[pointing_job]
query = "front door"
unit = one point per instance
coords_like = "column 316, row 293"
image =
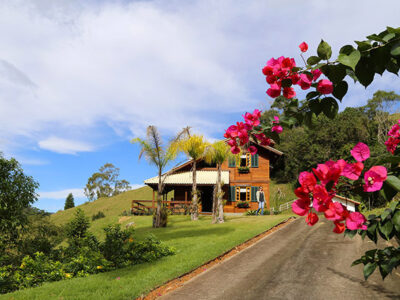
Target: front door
column 206, row 198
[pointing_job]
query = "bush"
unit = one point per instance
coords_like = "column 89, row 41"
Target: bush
column 148, row 250
column 243, row 204
column 99, row 215
column 114, row 247
column 253, row 212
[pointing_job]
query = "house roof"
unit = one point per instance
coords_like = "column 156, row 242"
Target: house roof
column 347, row 199
column 202, row 177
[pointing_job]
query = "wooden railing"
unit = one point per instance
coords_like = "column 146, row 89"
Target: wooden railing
column 286, row 206
column 139, row 206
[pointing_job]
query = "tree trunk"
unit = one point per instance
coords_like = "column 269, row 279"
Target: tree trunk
column 157, row 219
column 195, row 212
column 215, row 204
column 219, row 195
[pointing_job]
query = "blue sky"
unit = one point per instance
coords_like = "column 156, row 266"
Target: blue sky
column 79, row 81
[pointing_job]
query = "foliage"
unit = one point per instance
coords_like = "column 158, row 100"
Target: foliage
column 254, row 212
column 243, row 169
column 99, row 215
column 17, row 192
column 113, row 247
column 69, row 202
column 243, row 204
column 155, row 153
column 105, row 183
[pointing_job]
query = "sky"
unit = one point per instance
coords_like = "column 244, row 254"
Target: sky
column 80, row 79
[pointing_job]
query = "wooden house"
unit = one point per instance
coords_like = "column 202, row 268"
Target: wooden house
column 241, row 180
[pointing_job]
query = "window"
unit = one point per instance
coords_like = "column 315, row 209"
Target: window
column 244, row 160
column 243, row 193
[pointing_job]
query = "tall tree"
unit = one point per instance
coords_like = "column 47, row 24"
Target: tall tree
column 218, row 153
column 194, row 147
column 69, row 201
column 105, row 183
column 17, row 193
column 155, row 153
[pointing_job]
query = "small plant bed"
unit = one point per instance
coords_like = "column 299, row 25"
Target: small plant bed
column 243, row 204
column 243, row 170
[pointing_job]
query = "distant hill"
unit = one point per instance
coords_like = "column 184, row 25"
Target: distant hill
column 112, row 207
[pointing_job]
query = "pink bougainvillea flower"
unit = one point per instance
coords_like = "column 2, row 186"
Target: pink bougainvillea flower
column 316, row 73
column 301, row 206
column 231, row 132
column 277, row 128
column 263, row 139
column 353, row 171
column 374, row 178
column 295, row 77
column 301, row 192
column 303, row 47
column 305, row 81
column 339, row 227
column 336, row 212
column 232, row 143
column 360, row 152
column 325, row 86
column 330, row 171
column 235, row 149
column 307, row 181
column 274, row 91
column 311, row 219
column 288, row 92
column 276, row 120
column 391, row 144
column 252, row 119
column 271, row 79
column 321, row 198
column 252, row 150
column 355, row 221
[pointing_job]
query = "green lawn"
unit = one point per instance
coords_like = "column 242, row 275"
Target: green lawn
column 195, row 243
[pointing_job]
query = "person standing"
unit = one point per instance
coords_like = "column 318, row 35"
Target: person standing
column 261, row 200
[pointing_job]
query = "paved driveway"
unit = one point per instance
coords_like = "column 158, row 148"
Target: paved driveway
column 296, row 262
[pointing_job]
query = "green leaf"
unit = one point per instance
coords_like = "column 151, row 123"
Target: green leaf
column 396, row 218
column 393, row 205
column 363, row 45
column 375, row 37
column 312, row 94
column 395, row 51
column 384, row 159
column 330, row 107
column 335, row 73
column 393, row 30
column 386, row 213
column 394, row 182
column 392, row 66
column 357, row 262
column 371, row 217
column 351, row 59
column 312, row 60
column 389, row 36
column 286, row 82
column 315, row 106
column 324, row 50
column 340, row 89
column 365, row 71
column 386, row 229
column 369, row 268
column 371, row 232
column 387, row 192
column 380, row 58
column 385, row 270
column 350, row 233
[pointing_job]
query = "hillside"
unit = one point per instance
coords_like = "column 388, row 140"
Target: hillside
column 111, row 207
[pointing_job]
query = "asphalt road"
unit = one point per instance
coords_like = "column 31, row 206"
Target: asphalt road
column 295, row 262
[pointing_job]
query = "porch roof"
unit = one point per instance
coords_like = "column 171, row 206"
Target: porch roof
column 202, row 177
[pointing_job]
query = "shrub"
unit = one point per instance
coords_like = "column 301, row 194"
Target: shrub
column 99, row 215
column 253, row 212
column 114, row 247
column 148, row 250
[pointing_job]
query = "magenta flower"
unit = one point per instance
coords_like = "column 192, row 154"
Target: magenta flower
column 311, row 219
column 303, row 47
column 336, row 212
column 316, row 73
column 325, row 86
column 301, row 206
column 307, row 181
column 252, row 150
column 360, row 152
column 321, row 198
column 274, row 91
column 374, row 178
column 356, row 221
column 235, row 149
column 288, row 92
column 353, row 171
column 305, row 81
column 277, row 128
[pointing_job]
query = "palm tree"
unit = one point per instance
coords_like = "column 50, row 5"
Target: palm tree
column 154, row 152
column 194, row 147
column 218, row 153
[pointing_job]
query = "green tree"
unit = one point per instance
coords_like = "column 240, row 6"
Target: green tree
column 194, row 146
column 69, row 201
column 155, row 153
column 218, row 153
column 17, row 193
column 105, row 183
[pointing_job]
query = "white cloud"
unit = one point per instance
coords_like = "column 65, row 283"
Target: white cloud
column 67, row 68
column 64, row 146
column 62, row 194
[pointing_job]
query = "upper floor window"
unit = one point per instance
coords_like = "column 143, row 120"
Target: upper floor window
column 245, row 160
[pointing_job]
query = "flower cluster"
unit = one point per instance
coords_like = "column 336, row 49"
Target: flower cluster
column 320, row 195
column 394, row 138
column 239, row 134
column 281, row 74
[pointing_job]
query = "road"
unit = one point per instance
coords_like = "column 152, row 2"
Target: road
column 295, row 262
